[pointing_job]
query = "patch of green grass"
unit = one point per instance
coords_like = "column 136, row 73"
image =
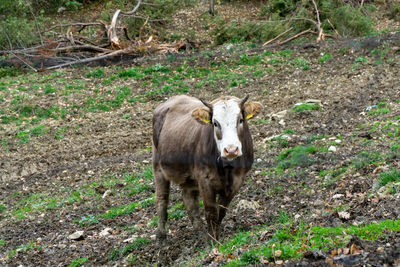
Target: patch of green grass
column 177, row 211
column 293, row 242
column 325, row 57
column 78, row 262
column 96, row 73
column 306, row 106
column 87, row 220
column 380, row 109
column 236, row 242
column 120, row 210
column 114, row 254
column 392, row 175
column 302, row 63
column 2, row 243
column 362, row 60
column 298, row 156
column 2, row 208
column 367, row 158
column 131, row 73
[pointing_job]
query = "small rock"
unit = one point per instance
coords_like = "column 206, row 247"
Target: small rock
column 245, row 204
column 380, row 249
column 297, row 216
column 78, row 235
column 318, row 202
column 106, row 194
column 336, row 196
column 153, row 237
column 145, row 161
column 282, row 122
column 279, row 115
column 332, row 149
column 105, row 232
column 279, row 262
column 337, row 141
column 62, row 246
column 344, row 215
column 61, row 9
column 131, row 239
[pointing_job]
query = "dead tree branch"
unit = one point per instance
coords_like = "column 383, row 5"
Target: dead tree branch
column 295, row 36
column 279, row 35
column 24, row 61
column 91, row 59
column 321, row 36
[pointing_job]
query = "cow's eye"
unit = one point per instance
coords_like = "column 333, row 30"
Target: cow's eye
column 215, row 124
column 241, row 121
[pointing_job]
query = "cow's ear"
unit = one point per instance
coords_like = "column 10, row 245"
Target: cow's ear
column 201, row 115
column 252, row 109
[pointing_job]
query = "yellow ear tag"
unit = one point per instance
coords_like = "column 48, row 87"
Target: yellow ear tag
column 205, row 120
column 249, row 116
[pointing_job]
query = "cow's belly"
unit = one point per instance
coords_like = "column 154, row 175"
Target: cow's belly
column 176, row 172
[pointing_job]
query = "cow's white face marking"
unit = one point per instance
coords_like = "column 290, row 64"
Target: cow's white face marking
column 227, row 119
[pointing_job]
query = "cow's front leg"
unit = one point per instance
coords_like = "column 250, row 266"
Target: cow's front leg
column 211, row 213
column 223, row 203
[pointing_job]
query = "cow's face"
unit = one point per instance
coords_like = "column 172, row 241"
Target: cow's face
column 227, row 116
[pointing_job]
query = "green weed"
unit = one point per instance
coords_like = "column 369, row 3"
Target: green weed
column 96, row 73
column 298, row 156
column 325, row 57
column 306, row 106
column 87, row 220
column 78, row 262
column 302, row 63
column 177, row 211
column 392, row 175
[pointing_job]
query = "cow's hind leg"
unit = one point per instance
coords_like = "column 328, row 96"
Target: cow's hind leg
column 162, row 198
column 191, row 201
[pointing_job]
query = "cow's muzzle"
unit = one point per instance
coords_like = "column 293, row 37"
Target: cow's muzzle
column 231, row 152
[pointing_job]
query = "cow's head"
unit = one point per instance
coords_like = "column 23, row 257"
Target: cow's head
column 227, row 116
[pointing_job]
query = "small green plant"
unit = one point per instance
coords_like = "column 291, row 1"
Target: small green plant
column 380, row 109
column 297, row 156
column 177, row 211
column 2, row 243
column 87, row 220
column 325, row 57
column 2, row 208
column 96, row 73
column 78, row 262
column 306, row 106
column 392, row 175
column 361, row 60
column 302, row 63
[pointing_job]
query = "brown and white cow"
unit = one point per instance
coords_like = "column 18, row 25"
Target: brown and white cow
column 207, row 150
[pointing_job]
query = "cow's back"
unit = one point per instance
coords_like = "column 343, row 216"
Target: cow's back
column 177, row 137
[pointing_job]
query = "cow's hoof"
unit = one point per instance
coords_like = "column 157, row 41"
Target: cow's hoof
column 161, row 237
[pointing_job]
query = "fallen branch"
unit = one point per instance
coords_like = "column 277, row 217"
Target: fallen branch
column 81, row 47
column 270, row 41
column 295, row 36
column 91, row 59
column 24, row 61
